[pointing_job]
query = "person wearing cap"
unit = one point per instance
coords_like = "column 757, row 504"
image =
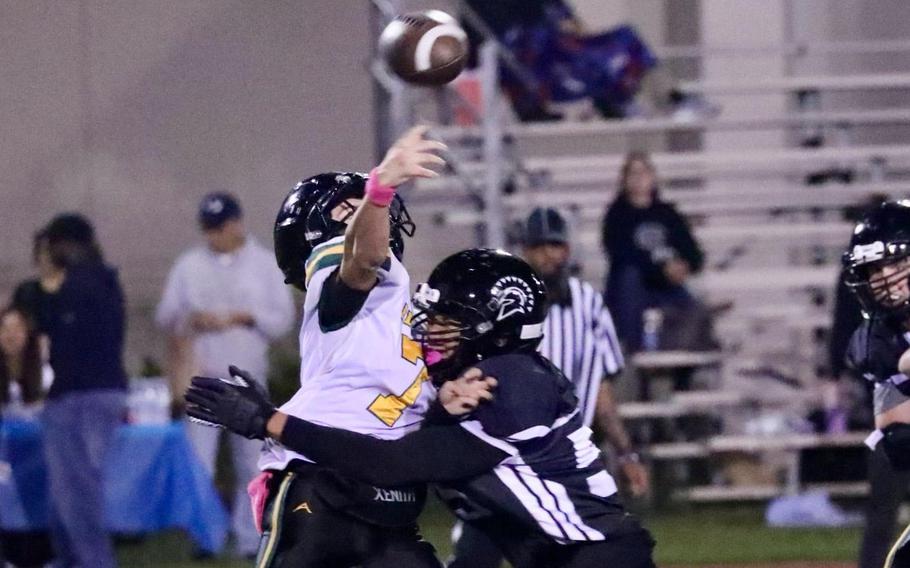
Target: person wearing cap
column 81, row 312
column 224, row 300
column 580, row 340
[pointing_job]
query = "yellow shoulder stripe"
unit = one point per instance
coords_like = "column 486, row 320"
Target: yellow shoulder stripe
column 321, row 258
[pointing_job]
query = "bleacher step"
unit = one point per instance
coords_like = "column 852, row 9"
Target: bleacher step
column 711, row 493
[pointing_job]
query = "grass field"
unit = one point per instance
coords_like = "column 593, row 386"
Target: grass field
column 712, row 536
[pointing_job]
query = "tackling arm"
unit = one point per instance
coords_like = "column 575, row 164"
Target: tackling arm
column 440, row 453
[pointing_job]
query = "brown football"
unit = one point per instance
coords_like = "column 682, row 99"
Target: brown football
column 425, row 48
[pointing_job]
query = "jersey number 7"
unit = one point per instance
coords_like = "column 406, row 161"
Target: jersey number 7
column 390, row 407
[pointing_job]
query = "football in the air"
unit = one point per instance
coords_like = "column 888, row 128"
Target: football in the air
column 425, row 48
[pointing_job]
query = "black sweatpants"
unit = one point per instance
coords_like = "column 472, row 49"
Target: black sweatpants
column 301, row 530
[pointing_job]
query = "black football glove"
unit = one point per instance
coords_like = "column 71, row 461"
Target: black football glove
column 239, row 404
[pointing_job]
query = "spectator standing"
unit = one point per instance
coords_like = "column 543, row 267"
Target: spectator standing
column 225, row 300
column 83, row 319
column 651, row 251
column 24, row 379
column 580, row 340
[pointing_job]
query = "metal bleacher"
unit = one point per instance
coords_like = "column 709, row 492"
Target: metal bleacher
column 773, row 242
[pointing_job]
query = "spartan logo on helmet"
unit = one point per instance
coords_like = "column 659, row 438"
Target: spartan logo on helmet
column 512, row 295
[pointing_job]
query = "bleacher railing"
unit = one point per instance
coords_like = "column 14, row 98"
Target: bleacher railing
column 399, row 115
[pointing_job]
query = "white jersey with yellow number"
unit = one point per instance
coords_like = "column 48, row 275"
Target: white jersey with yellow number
column 367, row 376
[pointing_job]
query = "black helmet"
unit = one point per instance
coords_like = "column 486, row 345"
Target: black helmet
column 881, row 238
column 496, row 301
column 305, row 220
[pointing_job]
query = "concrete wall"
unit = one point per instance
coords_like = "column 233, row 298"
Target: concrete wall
column 131, row 111
column 648, row 16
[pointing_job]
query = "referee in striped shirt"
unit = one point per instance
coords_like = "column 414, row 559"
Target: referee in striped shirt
column 580, row 340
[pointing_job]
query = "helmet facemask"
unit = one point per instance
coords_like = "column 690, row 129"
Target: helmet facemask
column 332, row 213
column 400, row 223
column 882, row 285
column 449, row 333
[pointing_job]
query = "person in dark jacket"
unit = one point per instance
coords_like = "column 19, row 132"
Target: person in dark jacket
column 651, row 251
column 84, row 321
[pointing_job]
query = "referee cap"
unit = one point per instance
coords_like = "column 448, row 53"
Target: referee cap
column 546, row 225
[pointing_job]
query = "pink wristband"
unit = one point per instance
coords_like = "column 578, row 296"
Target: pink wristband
column 377, row 193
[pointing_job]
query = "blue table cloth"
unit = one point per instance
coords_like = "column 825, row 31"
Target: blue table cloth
column 153, row 481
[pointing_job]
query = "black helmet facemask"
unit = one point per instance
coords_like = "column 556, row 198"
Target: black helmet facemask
column 321, row 226
column 460, row 329
column 400, row 223
column 874, row 282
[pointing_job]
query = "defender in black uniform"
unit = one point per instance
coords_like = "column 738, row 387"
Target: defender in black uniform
column 877, row 268
column 521, row 468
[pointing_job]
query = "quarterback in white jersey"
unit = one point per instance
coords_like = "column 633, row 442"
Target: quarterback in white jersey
column 338, row 236
column 367, row 376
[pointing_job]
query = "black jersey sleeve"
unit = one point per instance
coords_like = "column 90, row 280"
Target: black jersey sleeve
column 437, row 453
column 437, row 415
column 851, row 358
column 338, row 303
column 874, row 351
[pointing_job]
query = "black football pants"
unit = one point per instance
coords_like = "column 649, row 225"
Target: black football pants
column 887, row 488
column 300, row 530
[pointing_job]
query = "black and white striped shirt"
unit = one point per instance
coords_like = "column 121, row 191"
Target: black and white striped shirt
column 579, row 338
